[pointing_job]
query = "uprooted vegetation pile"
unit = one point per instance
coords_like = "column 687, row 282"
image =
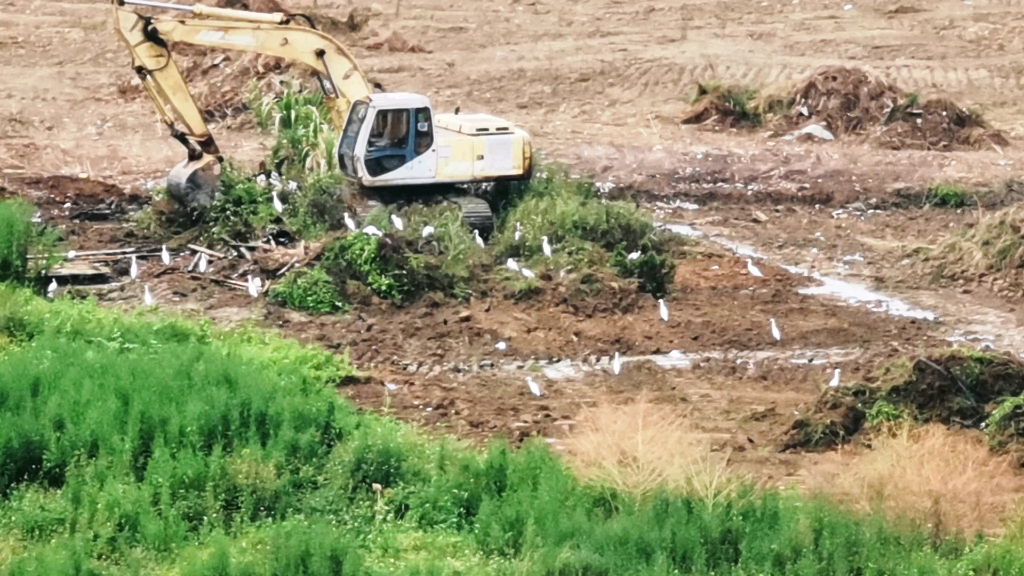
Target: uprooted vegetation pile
column 990, row 251
column 597, row 245
column 847, row 101
column 961, row 388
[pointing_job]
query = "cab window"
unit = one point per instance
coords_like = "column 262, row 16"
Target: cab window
column 424, row 131
column 390, row 130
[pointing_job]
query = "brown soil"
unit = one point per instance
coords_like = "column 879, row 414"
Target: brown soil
column 600, row 85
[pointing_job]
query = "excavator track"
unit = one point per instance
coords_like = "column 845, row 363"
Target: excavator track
column 476, row 213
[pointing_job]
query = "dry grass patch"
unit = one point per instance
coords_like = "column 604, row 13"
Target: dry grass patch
column 643, row 447
column 947, row 482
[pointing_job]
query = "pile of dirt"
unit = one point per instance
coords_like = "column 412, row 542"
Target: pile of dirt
column 848, row 101
column 222, row 81
column 954, row 388
column 395, row 42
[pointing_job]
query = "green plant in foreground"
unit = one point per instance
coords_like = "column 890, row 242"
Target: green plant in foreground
column 19, row 236
column 168, row 447
column 947, row 196
column 884, row 412
column 310, row 290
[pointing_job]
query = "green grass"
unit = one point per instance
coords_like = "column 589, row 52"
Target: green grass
column 170, row 447
column 18, row 237
column 310, row 290
column 947, row 196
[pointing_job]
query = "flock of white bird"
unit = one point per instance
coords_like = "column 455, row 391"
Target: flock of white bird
column 254, row 284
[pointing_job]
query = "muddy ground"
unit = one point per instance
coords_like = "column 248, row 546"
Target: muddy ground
column 600, row 85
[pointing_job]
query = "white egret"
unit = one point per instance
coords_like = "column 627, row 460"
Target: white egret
column 71, row 254
column 534, row 387
column 527, row 272
column 633, row 255
column 428, row 231
column 51, row 289
column 754, row 270
column 519, row 232
column 349, row 222
column 204, row 263
column 775, row 330
column 545, row 246
column 373, row 231
column 133, row 270
column 397, row 222
column 165, row 256
column 511, row 264
column 662, row 310
column 278, row 206
column 479, row 240
column 834, row 383
column 391, row 386
column 616, row 364
column 147, row 296
column 250, row 286
column 502, row 346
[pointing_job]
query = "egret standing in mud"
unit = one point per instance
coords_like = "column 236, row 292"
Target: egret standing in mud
column 147, row 296
column 133, row 270
column 616, row 364
column 519, row 232
column 165, row 256
column 278, row 206
column 775, row 330
column 754, row 270
column 204, row 263
column 428, row 231
column 397, row 222
column 834, row 383
column 527, row 272
column 534, row 387
column 662, row 310
column 51, row 289
column 512, row 265
column 251, row 287
column 501, row 346
column 545, row 246
column 349, row 222
column 478, row 239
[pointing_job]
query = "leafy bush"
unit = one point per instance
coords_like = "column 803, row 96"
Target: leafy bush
column 19, row 236
column 947, row 196
column 310, row 290
column 243, row 206
column 653, row 272
column 359, row 257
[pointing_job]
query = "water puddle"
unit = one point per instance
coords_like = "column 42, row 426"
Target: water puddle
column 677, row 360
column 849, row 292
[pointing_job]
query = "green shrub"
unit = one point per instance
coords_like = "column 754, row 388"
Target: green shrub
column 654, row 272
column 309, row 290
column 18, row 237
column 947, row 196
column 243, row 206
column 358, row 257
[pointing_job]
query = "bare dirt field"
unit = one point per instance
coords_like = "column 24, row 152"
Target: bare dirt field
column 601, row 86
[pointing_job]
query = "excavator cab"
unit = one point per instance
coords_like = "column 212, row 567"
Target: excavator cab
column 388, row 139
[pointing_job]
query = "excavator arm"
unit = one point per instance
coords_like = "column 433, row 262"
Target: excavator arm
column 149, row 40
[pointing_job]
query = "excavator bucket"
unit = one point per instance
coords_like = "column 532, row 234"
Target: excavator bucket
column 195, row 184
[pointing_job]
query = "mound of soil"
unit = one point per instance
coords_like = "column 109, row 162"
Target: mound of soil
column 954, row 388
column 848, row 101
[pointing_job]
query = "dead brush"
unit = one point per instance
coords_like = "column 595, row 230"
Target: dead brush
column 945, row 481
column 995, row 244
column 643, row 447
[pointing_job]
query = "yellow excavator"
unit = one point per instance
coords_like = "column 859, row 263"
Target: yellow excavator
column 391, row 143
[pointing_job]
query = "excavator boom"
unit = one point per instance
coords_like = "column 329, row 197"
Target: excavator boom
column 194, row 182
